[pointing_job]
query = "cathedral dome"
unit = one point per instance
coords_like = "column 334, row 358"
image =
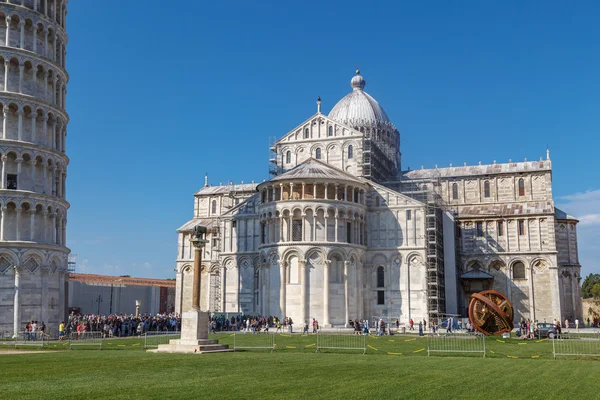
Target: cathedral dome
column 358, row 109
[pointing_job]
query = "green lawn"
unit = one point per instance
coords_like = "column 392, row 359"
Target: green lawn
column 394, row 367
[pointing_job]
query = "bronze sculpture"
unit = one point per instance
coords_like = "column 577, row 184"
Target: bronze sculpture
column 491, row 313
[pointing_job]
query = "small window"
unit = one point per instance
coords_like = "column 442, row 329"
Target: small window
column 288, row 157
column 500, row 228
column 262, row 233
column 408, row 215
column 350, row 152
column 380, row 277
column 349, row 232
column 479, row 229
column 233, row 224
column 306, row 133
column 377, row 201
column 455, row 191
column 519, row 270
column 11, row 181
column 330, row 133
column 380, row 297
column 486, row 189
column 214, row 243
column 237, row 201
column 318, row 153
column 521, row 187
column 297, row 230
column 521, row 227
column 213, row 209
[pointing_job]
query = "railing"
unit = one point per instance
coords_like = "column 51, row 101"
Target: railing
column 153, row 339
column 86, row 339
column 249, row 340
column 334, row 341
column 456, row 343
column 576, row 344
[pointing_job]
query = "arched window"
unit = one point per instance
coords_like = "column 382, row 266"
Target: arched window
column 213, row 209
column 288, row 157
column 519, row 270
column 318, row 153
column 350, row 152
column 330, row 133
column 306, row 133
column 486, row 189
column 521, row 187
column 380, row 277
column 455, row 191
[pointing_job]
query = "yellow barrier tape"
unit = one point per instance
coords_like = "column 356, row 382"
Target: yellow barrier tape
column 290, row 347
column 492, row 351
column 135, row 344
column 285, row 335
column 396, row 354
column 120, row 345
column 391, row 340
column 535, row 356
column 410, row 340
column 542, row 340
column 521, row 343
column 512, row 356
column 416, row 351
column 310, row 345
column 371, row 347
column 500, row 341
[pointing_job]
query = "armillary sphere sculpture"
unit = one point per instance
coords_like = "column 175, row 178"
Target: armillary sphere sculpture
column 491, row 313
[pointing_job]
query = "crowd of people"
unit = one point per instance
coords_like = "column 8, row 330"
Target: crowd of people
column 118, row 325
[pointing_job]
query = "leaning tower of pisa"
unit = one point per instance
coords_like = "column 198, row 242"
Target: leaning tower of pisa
column 33, row 208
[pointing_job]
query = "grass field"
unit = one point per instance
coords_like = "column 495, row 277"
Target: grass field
column 394, row 367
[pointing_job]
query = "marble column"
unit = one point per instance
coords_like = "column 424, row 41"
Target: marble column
column 326, row 265
column 2, row 220
column 44, row 272
column 346, row 294
column 282, row 265
column 32, row 225
column 3, row 183
column 6, row 69
column 17, row 301
column 7, row 39
column 5, row 114
column 531, row 295
column 18, row 228
column 303, row 290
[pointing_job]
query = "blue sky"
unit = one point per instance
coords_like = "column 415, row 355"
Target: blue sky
column 160, row 95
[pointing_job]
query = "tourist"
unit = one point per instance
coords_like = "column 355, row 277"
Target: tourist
column 577, row 324
column 411, row 323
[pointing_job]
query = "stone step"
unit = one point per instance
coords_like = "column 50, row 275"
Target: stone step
column 192, row 349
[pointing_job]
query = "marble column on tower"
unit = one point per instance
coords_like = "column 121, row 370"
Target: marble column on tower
column 17, row 302
column 326, row 265
column 282, row 265
column 303, row 290
column 346, row 294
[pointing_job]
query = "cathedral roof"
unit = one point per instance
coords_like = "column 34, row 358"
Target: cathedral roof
column 358, row 109
column 475, row 170
column 560, row 214
column 507, row 209
column 315, row 169
column 225, row 189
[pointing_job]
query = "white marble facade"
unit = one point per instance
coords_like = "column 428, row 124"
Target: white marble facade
column 338, row 233
column 33, row 206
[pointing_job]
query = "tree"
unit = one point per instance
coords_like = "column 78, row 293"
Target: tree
column 588, row 284
column 596, row 291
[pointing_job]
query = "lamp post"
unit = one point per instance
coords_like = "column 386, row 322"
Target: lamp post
column 99, row 300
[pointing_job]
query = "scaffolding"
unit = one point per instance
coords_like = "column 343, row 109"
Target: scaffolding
column 72, row 263
column 274, row 161
column 428, row 192
column 378, row 164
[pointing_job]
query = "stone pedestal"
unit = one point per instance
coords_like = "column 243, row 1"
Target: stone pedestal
column 194, row 336
column 194, row 326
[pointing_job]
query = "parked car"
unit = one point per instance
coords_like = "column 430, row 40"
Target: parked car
column 545, row 329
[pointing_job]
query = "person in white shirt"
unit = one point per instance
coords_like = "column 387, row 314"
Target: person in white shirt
column 577, row 324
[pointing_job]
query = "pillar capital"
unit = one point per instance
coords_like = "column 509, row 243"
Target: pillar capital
column 327, row 263
column 282, row 263
column 4, row 159
column 19, row 160
column 7, row 62
column 346, row 263
column 21, row 24
column 302, row 263
column 18, row 269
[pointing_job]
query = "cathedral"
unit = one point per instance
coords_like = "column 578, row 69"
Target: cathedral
column 341, row 232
